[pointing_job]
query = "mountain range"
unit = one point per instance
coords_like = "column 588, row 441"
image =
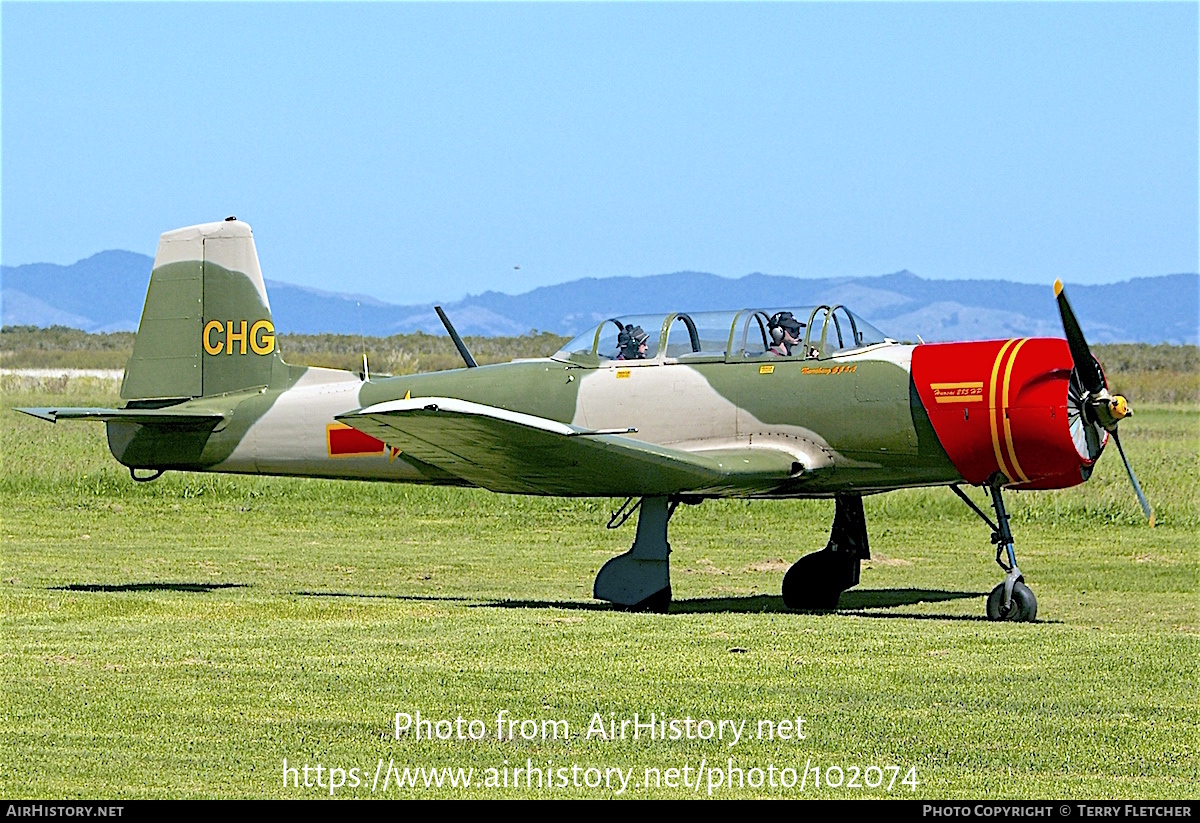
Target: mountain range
column 105, row 293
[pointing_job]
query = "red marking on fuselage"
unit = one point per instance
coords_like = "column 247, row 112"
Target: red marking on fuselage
column 345, row 441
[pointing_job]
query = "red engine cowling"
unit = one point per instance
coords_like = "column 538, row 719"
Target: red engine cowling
column 1003, row 406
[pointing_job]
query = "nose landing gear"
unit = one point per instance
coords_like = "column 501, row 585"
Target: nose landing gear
column 1011, row 600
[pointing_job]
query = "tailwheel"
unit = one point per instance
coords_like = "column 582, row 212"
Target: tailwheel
column 1022, row 606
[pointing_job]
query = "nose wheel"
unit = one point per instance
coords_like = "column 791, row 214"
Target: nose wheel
column 1012, row 600
column 1021, row 608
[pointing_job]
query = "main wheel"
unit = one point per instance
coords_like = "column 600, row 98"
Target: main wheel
column 811, row 584
column 1022, row 609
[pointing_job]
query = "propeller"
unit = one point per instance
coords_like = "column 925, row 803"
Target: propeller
column 1096, row 406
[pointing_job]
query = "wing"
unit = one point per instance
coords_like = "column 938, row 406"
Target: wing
column 507, row 451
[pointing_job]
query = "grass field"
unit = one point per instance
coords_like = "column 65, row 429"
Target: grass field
column 183, row 638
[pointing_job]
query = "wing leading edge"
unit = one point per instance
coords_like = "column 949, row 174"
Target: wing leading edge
column 506, row 451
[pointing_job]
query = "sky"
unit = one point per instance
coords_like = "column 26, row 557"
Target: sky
column 418, row 152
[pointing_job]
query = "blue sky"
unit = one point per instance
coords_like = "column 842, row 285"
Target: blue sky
column 423, row 151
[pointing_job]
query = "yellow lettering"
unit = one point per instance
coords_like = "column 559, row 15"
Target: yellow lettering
column 210, row 327
column 262, row 337
column 231, row 335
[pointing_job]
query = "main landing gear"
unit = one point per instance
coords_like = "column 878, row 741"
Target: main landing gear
column 640, row 579
column 1012, row 599
column 817, row 580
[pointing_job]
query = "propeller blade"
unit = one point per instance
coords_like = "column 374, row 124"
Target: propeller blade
column 1085, row 365
column 1137, row 488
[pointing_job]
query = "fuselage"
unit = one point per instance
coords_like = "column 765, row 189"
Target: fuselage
column 857, row 420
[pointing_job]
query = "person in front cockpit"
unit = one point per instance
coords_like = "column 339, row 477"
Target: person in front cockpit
column 632, row 343
column 785, row 331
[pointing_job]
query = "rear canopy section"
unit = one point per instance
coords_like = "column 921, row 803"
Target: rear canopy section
column 206, row 328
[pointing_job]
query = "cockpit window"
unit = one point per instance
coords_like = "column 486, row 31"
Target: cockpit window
column 836, row 329
column 581, row 346
column 849, row 331
column 841, row 333
column 699, row 333
column 750, row 335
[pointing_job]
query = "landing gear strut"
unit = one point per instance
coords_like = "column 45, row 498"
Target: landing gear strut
column 817, row 580
column 640, row 579
column 1012, row 599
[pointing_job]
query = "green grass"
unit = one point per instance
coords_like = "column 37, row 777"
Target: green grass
column 181, row 638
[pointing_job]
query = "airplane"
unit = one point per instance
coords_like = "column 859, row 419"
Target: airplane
column 658, row 409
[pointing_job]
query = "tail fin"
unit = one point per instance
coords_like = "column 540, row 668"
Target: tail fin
column 206, row 328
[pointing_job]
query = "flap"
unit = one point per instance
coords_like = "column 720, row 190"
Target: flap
column 507, row 451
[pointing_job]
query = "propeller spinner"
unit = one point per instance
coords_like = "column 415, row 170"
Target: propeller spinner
column 1090, row 398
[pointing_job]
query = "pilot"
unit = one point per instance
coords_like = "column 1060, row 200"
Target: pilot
column 632, row 343
column 784, row 329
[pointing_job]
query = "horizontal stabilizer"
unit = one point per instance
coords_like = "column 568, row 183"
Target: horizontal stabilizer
column 507, row 451
column 183, row 419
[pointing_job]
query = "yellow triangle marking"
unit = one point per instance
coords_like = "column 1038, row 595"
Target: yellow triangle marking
column 408, row 395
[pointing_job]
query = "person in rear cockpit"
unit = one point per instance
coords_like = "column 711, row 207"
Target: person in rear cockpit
column 632, row 343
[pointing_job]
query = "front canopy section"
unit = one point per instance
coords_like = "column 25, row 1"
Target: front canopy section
column 835, row 329
column 683, row 337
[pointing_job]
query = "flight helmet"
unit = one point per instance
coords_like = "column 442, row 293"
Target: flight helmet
column 630, row 340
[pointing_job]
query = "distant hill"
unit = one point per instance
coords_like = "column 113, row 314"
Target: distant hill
column 105, row 293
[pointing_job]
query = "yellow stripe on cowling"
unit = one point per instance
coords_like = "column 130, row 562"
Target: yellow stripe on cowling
column 1012, row 452
column 992, row 409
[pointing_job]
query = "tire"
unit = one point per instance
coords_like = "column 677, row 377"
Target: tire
column 1023, row 608
column 809, row 584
